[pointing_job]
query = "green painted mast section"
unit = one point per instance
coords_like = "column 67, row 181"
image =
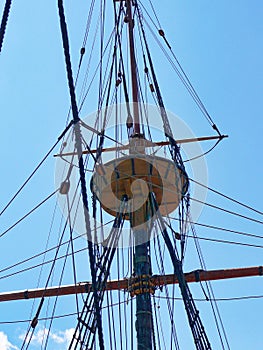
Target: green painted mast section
column 142, row 269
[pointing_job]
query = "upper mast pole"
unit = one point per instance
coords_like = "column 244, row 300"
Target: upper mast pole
column 135, row 97
column 142, row 264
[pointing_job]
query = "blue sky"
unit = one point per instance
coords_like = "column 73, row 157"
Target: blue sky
column 220, row 46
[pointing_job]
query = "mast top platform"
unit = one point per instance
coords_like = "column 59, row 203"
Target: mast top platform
column 134, row 177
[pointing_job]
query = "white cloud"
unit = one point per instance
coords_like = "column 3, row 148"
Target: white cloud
column 5, row 343
column 59, row 337
column 68, row 334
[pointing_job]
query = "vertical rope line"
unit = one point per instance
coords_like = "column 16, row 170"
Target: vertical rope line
column 77, row 132
column 4, row 22
column 72, row 253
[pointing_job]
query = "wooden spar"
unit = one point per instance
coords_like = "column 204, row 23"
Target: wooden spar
column 134, row 81
column 153, row 144
column 156, row 280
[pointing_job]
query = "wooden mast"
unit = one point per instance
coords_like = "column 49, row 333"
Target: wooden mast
column 141, row 261
column 130, row 21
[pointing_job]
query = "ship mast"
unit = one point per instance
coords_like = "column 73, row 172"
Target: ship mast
column 141, row 265
column 131, row 173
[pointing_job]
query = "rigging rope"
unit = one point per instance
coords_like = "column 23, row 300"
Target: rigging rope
column 44, row 252
column 72, row 251
column 242, row 233
column 183, row 77
column 37, row 167
column 210, row 292
column 174, row 149
column 4, row 22
column 83, row 249
column 227, row 197
column 77, row 131
column 30, row 212
column 85, row 335
column 197, row 328
column 225, row 241
column 29, row 335
column 205, row 153
column 56, row 300
column 227, row 211
column 226, row 299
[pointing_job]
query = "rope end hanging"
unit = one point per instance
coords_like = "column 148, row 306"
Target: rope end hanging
column 162, row 34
